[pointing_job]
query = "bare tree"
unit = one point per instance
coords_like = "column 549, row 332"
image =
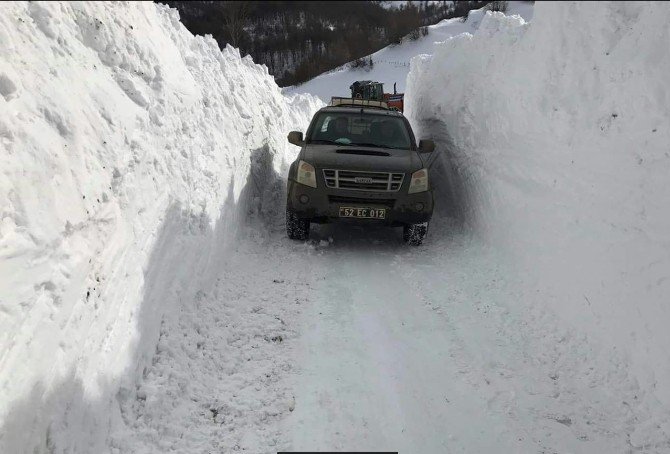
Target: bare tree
column 235, row 16
column 497, row 6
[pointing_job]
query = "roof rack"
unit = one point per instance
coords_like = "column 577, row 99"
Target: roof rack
column 355, row 102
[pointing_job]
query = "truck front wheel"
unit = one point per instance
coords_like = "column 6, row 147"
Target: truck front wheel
column 296, row 228
column 413, row 234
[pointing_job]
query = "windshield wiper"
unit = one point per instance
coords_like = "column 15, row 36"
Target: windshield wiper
column 329, row 142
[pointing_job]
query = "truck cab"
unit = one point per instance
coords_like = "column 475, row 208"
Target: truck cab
column 359, row 162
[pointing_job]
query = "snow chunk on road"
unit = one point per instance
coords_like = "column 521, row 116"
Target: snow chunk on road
column 7, row 87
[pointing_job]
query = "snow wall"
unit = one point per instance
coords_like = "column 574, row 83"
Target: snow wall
column 129, row 151
column 555, row 150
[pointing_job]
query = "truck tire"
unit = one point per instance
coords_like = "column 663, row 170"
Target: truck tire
column 296, row 228
column 413, row 234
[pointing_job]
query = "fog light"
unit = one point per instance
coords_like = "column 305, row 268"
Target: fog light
column 419, row 206
column 304, row 198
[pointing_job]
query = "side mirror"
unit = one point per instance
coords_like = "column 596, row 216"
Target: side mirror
column 295, row 137
column 426, row 146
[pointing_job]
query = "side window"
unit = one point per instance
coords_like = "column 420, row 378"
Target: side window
column 324, row 125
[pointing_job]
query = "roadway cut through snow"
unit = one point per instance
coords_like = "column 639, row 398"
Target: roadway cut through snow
column 353, row 341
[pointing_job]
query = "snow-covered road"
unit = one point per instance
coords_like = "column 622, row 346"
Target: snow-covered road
column 353, row 341
column 381, row 363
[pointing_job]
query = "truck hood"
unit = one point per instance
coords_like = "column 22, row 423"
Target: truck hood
column 362, row 158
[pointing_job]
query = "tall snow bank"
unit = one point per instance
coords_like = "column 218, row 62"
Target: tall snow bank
column 126, row 146
column 557, row 138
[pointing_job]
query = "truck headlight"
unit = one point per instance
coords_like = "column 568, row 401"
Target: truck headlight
column 306, row 174
column 419, row 182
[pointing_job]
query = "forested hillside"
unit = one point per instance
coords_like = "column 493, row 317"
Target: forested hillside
column 299, row 40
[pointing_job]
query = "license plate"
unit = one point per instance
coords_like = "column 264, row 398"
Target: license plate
column 363, row 213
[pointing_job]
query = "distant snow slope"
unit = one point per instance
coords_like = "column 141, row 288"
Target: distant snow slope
column 556, row 141
column 125, row 152
column 392, row 63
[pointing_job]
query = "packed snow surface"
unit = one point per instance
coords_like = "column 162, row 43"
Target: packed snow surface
column 358, row 343
column 150, row 301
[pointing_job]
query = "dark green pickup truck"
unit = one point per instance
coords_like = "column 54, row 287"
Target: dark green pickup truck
column 359, row 162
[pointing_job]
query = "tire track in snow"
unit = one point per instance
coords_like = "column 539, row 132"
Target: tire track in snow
column 557, row 388
column 380, row 370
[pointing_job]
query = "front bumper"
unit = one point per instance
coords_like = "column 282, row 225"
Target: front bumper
column 323, row 204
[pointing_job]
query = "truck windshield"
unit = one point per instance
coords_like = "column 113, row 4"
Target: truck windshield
column 360, row 129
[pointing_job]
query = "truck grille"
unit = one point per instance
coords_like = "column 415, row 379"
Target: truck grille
column 363, row 181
